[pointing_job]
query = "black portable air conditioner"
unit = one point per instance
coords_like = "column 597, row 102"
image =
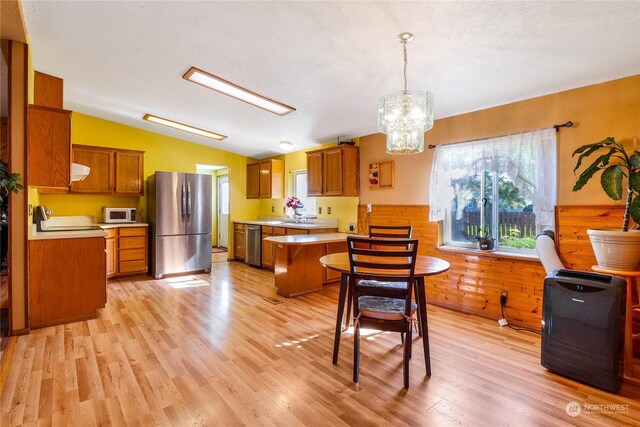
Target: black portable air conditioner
column 583, row 327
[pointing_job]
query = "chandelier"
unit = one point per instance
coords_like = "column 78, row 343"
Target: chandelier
column 405, row 116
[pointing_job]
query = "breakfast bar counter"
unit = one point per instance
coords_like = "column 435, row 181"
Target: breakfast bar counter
column 297, row 267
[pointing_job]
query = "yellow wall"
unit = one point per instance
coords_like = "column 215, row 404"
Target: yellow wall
column 162, row 153
column 344, row 209
column 597, row 111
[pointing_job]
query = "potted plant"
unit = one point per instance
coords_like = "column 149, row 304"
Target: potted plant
column 620, row 177
column 9, row 183
column 485, row 239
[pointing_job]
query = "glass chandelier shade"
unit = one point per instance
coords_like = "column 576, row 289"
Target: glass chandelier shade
column 405, row 116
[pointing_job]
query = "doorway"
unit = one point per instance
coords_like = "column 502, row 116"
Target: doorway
column 223, row 211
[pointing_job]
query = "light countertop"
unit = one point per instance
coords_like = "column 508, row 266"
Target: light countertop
column 308, row 239
column 78, row 234
column 307, row 226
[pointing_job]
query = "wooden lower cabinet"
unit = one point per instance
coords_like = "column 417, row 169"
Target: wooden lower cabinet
column 67, row 280
column 267, row 248
column 112, row 252
column 127, row 251
column 132, row 251
column 239, row 241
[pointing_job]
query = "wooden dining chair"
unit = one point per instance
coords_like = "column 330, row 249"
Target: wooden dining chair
column 386, row 232
column 388, row 308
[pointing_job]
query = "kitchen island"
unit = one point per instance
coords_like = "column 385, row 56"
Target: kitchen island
column 297, row 267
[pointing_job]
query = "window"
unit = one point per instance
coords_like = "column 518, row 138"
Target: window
column 300, row 191
column 505, row 184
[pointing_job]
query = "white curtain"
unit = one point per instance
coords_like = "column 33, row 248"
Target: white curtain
column 527, row 158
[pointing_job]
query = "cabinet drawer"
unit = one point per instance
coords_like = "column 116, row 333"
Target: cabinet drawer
column 267, row 229
column 133, row 254
column 132, row 242
column 132, row 267
column 291, row 231
column 279, row 231
column 111, row 232
column 132, row 231
column 239, row 227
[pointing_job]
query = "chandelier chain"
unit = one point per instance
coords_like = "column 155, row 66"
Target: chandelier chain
column 404, row 45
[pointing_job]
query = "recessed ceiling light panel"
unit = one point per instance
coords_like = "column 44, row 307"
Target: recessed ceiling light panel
column 183, row 127
column 210, row 81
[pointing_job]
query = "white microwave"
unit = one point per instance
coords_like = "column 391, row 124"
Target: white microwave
column 119, row 215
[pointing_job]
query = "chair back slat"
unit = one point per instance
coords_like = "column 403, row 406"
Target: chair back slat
column 391, row 231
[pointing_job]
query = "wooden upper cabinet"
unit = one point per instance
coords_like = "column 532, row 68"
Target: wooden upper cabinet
column 265, row 180
column 101, row 161
column 129, row 173
column 113, row 171
column 253, row 181
column 48, row 147
column 333, row 171
column 48, row 90
column 314, row 173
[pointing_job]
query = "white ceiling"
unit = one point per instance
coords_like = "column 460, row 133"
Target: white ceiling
column 332, row 61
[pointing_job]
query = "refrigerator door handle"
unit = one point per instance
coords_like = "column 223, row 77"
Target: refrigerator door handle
column 189, row 198
column 184, row 202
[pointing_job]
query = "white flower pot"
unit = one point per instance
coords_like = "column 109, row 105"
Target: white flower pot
column 615, row 249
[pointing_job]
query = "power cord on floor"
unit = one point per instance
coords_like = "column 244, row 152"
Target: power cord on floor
column 506, row 323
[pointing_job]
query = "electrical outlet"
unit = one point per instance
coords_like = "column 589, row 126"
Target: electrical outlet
column 284, row 210
column 368, row 208
column 329, row 211
column 30, row 213
column 503, row 297
column 320, row 210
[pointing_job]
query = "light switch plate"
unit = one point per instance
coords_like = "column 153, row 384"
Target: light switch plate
column 320, row 209
column 369, row 208
column 329, row 211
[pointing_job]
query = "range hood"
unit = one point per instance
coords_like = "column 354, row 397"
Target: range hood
column 79, row 172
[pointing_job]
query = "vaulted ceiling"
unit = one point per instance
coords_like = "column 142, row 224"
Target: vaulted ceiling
column 332, row 61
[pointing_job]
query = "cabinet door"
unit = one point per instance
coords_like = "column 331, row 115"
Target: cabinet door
column 314, row 173
column 265, row 180
column 112, row 257
column 332, row 172
column 49, row 147
column 253, row 181
column 239, row 242
column 129, row 170
column 267, row 250
column 100, row 178
column 66, row 290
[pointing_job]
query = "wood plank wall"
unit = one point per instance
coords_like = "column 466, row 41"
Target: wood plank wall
column 572, row 240
column 474, row 283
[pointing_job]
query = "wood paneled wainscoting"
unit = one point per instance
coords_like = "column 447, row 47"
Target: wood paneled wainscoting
column 572, row 240
column 474, row 282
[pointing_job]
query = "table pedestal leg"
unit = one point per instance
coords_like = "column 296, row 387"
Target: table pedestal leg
column 341, row 297
column 422, row 318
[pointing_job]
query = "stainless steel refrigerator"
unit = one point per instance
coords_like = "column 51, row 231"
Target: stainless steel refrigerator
column 179, row 207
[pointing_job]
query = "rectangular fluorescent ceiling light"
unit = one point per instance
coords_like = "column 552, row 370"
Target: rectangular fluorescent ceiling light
column 183, row 127
column 205, row 79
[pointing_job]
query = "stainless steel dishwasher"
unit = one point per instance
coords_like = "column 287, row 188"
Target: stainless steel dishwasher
column 254, row 244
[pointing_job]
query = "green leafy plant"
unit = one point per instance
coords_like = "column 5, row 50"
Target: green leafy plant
column 620, row 174
column 9, row 183
column 485, row 232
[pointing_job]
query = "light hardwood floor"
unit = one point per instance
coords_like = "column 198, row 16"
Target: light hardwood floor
column 210, row 350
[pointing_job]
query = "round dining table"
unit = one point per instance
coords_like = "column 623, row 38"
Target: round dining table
column 425, row 266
